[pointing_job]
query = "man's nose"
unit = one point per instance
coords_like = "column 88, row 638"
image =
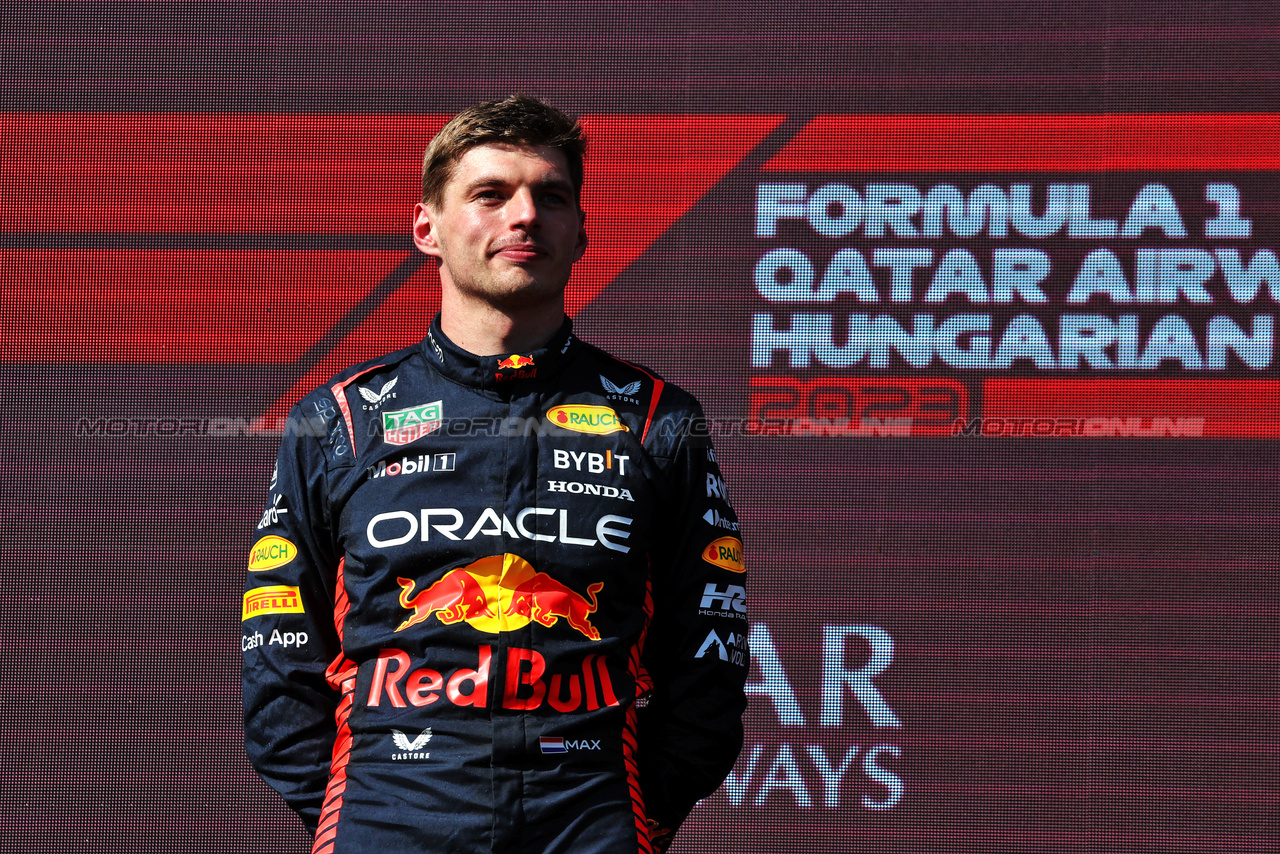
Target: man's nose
column 522, row 209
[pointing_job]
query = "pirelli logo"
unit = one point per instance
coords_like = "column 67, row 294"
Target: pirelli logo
column 278, row 599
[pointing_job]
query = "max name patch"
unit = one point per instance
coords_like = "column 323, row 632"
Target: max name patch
column 583, row 418
column 725, row 553
column 277, row 599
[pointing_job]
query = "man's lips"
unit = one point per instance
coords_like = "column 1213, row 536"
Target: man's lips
column 519, row 252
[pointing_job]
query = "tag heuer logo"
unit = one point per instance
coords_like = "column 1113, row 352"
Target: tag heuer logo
column 407, row 425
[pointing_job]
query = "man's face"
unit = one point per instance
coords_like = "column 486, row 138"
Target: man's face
column 507, row 229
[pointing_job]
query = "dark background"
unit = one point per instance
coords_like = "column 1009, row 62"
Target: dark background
column 207, row 210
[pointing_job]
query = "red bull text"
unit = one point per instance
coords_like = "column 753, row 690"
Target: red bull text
column 526, row 685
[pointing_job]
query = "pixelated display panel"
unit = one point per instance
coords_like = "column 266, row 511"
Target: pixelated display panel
column 982, row 312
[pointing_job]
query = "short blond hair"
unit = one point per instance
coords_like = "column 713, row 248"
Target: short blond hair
column 518, row 120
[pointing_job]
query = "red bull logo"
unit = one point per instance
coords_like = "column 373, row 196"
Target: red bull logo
column 515, row 363
column 526, row 684
column 500, row 593
column 457, row 596
column 546, row 600
column 516, row 367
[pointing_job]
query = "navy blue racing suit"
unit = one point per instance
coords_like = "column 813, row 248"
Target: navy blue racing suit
column 495, row 604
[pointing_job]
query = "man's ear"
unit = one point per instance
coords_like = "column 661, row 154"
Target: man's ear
column 424, row 231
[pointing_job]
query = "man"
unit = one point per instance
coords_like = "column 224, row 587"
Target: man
column 496, row 599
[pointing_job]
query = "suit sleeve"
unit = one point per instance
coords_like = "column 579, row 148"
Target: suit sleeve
column 696, row 652
column 288, row 631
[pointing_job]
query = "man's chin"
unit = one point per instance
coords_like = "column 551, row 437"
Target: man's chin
column 522, row 296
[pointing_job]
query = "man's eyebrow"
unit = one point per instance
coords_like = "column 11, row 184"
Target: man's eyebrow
column 499, row 181
column 555, row 184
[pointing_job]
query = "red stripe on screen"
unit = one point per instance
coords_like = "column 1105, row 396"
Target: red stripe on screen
column 1231, row 408
column 1034, row 143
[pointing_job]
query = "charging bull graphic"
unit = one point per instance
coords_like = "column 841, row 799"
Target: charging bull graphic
column 515, row 363
column 544, row 599
column 516, row 367
column 457, row 596
column 500, row 593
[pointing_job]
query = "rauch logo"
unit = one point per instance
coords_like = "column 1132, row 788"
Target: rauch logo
column 725, row 553
column 582, row 418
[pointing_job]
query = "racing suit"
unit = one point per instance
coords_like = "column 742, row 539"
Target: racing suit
column 495, row 604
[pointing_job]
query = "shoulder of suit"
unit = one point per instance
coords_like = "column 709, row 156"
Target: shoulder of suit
column 661, row 412
column 326, row 413
column 616, row 374
column 389, row 362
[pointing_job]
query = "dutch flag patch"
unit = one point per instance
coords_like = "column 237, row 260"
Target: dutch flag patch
column 552, row 745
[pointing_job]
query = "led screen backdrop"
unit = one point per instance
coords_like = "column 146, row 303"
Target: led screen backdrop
column 980, row 299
